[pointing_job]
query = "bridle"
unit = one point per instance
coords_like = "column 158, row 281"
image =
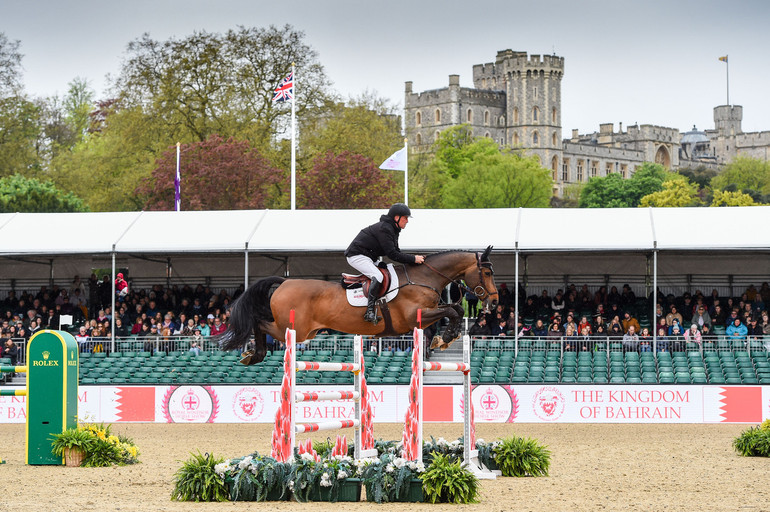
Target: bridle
column 480, row 290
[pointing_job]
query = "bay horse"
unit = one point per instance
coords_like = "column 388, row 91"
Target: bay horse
column 264, row 308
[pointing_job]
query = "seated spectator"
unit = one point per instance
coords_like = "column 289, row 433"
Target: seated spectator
column 121, row 330
column 584, row 324
column 83, row 340
column 631, row 340
column 674, row 315
column 662, row 341
column 584, row 340
column 615, row 322
column 204, row 326
column 645, row 340
column 569, row 340
column 676, row 325
column 539, row 329
column 629, row 321
column 754, row 328
column 765, row 324
column 736, row 330
column 692, row 335
column 600, row 333
column 9, row 350
column 570, row 323
column 701, row 317
column 676, row 337
column 554, row 332
column 616, row 332
column 194, row 348
column 480, row 327
column 218, row 327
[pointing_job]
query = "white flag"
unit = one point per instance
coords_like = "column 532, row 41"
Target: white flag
column 396, row 162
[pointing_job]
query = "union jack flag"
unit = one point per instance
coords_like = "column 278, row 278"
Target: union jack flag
column 285, row 89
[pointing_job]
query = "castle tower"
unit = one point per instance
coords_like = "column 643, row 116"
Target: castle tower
column 532, row 87
column 727, row 120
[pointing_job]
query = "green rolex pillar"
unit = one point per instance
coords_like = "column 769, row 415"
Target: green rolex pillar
column 52, row 392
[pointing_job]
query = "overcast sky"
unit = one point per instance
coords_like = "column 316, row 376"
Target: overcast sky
column 646, row 62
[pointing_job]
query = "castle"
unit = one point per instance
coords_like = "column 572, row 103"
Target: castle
column 516, row 101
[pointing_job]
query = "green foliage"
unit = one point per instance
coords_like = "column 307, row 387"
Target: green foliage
column 521, row 456
column 21, row 133
column 364, row 126
column 197, row 480
column 754, row 442
column 744, row 174
column 307, row 476
column 677, row 192
column 255, row 478
column 387, row 479
column 732, row 199
column 20, row 194
column 447, row 481
column 101, row 448
column 347, row 180
column 613, row 191
column 700, row 176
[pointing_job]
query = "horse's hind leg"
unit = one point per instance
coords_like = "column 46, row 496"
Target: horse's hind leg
column 260, row 349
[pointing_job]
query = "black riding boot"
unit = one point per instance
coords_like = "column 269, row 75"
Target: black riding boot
column 371, row 314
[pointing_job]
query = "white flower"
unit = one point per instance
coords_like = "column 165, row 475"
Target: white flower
column 291, row 485
column 307, row 457
column 245, row 462
column 222, row 468
column 326, row 480
column 342, row 475
column 399, row 462
column 390, row 468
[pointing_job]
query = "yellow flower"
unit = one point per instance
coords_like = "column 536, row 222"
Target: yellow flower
column 113, row 439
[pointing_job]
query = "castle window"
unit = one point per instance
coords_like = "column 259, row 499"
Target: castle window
column 553, row 115
column 535, row 139
column 438, row 116
column 554, row 140
column 418, row 119
column 624, row 170
column 580, row 170
column 554, row 167
column 486, row 118
column 494, row 83
column 515, row 138
column 483, row 83
column 565, row 170
column 487, row 135
column 535, row 114
column 418, row 139
column 608, row 169
column 594, row 169
column 534, row 92
column 515, row 115
column 469, row 116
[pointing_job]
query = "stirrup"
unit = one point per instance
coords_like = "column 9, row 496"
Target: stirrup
column 372, row 318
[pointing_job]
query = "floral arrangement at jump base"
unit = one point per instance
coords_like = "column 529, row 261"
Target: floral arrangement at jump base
column 754, row 442
column 93, row 445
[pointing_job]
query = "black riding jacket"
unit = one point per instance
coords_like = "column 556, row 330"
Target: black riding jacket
column 380, row 239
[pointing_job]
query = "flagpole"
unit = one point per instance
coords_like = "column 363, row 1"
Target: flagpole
column 406, row 173
column 727, row 72
column 293, row 132
column 177, row 183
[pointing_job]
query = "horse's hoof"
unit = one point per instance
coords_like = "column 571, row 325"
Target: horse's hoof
column 446, row 344
column 246, row 358
column 437, row 343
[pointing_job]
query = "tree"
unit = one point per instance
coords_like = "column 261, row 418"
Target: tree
column 744, row 174
column 20, row 194
column 612, row 191
column 210, row 83
column 507, row 180
column 216, row 175
column 344, row 181
column 701, row 175
column 732, row 199
column 10, row 67
column 456, row 147
column 676, row 193
column 364, row 126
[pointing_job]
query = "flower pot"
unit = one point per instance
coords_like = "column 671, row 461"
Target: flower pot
column 73, row 457
column 275, row 494
column 413, row 494
column 348, row 490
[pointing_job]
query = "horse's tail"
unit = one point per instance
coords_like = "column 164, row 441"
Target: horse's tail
column 248, row 312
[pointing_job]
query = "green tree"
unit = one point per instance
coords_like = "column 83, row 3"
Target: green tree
column 216, row 175
column 676, row 193
column 456, row 147
column 744, row 174
column 502, row 180
column 613, row 191
column 732, row 199
column 701, row 175
column 365, row 126
column 20, row 194
column 346, row 180
column 10, row 67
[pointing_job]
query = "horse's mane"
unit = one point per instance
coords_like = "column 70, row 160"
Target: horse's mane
column 450, row 251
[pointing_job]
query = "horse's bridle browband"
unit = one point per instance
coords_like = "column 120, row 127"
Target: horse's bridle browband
column 479, row 264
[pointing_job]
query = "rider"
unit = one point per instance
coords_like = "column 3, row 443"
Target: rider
column 375, row 241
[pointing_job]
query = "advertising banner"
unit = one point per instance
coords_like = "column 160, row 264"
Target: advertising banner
column 492, row 404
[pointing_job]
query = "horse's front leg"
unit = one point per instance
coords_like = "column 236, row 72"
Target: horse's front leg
column 454, row 313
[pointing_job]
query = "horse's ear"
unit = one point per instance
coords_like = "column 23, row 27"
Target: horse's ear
column 485, row 255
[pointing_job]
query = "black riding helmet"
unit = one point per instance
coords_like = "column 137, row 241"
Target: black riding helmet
column 400, row 210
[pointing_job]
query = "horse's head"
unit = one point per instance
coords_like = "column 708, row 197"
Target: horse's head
column 481, row 279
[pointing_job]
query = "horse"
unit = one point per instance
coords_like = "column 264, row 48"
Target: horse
column 264, row 308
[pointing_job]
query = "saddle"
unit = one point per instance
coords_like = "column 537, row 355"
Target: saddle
column 350, row 281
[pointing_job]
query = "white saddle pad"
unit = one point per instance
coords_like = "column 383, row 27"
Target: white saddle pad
column 356, row 296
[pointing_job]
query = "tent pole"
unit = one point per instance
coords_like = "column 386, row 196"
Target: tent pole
column 655, row 299
column 516, row 302
column 112, row 317
column 246, row 267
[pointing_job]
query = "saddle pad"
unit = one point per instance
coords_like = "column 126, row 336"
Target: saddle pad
column 356, row 295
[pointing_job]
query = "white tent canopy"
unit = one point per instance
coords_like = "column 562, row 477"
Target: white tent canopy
column 553, row 245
